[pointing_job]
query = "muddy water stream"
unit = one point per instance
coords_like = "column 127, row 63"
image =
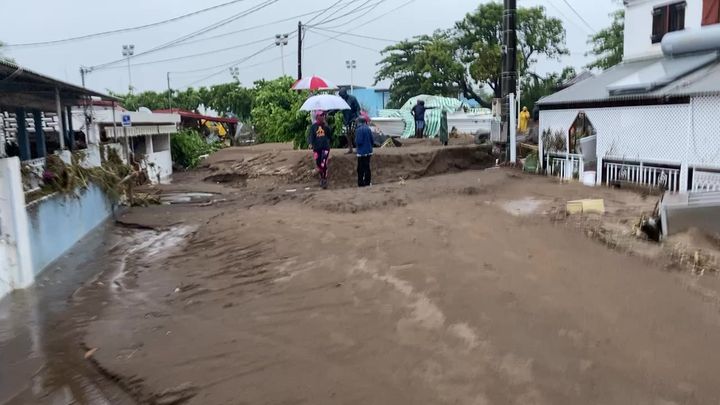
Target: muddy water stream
column 41, row 328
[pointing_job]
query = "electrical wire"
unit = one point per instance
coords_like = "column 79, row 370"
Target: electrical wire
column 356, row 35
column 195, row 55
column 199, row 32
column 220, row 65
column 580, row 16
column 353, row 11
column 324, row 11
column 121, row 30
column 232, row 64
column 247, row 28
column 345, row 42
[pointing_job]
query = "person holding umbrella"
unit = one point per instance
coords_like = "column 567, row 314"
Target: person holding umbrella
column 319, row 141
column 349, row 117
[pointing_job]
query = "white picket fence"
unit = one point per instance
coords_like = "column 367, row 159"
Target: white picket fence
column 642, row 174
column 703, row 181
column 564, row 165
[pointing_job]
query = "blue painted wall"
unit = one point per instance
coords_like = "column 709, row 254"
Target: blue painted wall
column 371, row 100
column 58, row 222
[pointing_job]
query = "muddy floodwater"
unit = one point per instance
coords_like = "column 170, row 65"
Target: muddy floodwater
column 43, row 357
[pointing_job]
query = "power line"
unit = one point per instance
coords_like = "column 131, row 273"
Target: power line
column 220, row 65
column 353, row 11
column 345, row 42
column 356, row 35
column 324, row 11
column 381, row 15
column 579, row 16
column 127, row 29
column 199, row 32
column 293, row 18
column 231, row 64
column 153, row 62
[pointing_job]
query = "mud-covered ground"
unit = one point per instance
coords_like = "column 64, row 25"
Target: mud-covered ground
column 470, row 287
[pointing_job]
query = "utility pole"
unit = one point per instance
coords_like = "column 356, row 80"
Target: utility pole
column 83, row 72
column 509, row 72
column 169, row 92
column 300, row 42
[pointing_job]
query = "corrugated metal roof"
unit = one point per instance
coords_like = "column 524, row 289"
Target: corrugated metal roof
column 10, row 72
column 705, row 80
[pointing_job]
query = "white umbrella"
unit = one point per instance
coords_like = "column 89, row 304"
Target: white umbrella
column 324, row 102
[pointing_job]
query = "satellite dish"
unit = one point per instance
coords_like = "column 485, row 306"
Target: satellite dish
column 144, row 110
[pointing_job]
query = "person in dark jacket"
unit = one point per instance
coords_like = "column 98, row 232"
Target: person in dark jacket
column 364, row 142
column 349, row 116
column 418, row 112
column 319, row 141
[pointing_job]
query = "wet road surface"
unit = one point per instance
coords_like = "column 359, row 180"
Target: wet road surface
column 43, row 359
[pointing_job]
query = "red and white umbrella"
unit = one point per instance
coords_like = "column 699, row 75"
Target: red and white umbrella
column 313, row 83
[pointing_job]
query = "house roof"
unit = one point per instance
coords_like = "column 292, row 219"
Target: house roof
column 21, row 87
column 703, row 80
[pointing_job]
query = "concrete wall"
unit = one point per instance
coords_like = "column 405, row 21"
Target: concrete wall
column 57, row 222
column 638, row 26
column 16, row 267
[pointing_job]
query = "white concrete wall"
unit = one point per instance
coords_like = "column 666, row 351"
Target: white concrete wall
column 16, row 267
column 638, row 26
column 681, row 134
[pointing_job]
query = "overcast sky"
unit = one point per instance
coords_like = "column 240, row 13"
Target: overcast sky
column 46, row 20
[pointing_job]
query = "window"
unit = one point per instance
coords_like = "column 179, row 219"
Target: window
column 711, row 12
column 667, row 18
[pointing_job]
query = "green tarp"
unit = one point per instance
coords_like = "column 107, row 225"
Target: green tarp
column 432, row 116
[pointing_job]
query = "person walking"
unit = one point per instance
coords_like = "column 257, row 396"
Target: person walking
column 364, row 141
column 319, row 141
column 349, row 117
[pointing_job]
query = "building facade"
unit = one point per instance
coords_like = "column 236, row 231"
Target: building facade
column 652, row 118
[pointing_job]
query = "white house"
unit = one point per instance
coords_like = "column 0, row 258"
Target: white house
column 654, row 117
column 148, row 137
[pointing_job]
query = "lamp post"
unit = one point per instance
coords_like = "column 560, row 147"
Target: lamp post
column 127, row 52
column 351, row 64
column 281, row 40
column 235, row 73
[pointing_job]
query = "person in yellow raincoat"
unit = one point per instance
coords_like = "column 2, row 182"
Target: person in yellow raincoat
column 523, row 121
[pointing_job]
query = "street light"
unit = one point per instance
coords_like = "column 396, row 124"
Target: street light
column 127, row 52
column 235, row 73
column 281, row 40
column 352, row 65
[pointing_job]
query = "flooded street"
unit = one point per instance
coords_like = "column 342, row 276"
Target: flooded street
column 41, row 328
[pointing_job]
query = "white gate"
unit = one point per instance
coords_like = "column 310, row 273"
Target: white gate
column 643, row 174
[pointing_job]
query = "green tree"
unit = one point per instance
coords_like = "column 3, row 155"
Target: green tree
column 608, row 43
column 230, row 99
column 479, row 38
column 276, row 111
column 423, row 65
column 535, row 87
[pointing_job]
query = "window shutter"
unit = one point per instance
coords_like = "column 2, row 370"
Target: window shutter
column 659, row 23
column 711, row 12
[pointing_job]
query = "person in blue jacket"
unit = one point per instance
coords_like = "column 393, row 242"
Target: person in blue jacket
column 364, row 144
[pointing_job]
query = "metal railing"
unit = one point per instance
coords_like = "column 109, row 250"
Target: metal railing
column 645, row 175
column 564, row 165
column 705, row 181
